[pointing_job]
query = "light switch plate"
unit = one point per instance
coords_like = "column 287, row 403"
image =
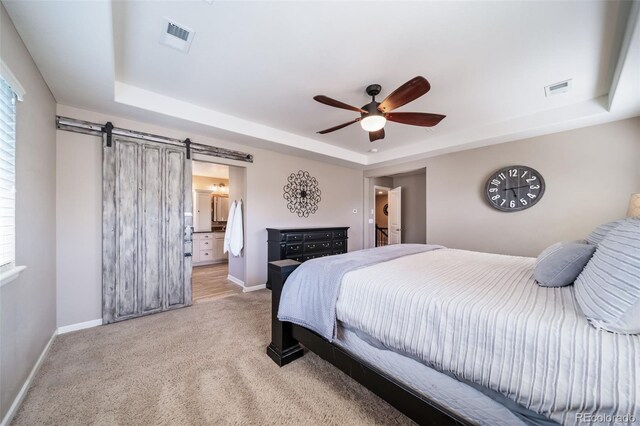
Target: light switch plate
column 370, row 220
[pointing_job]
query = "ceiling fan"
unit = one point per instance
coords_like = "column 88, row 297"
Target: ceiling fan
column 374, row 115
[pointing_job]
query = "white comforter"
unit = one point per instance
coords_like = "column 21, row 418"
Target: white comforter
column 483, row 318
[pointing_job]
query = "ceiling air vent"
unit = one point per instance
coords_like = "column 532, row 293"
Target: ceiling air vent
column 176, row 35
column 557, row 88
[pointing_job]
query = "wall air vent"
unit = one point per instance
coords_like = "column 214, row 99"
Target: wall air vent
column 557, row 88
column 176, row 35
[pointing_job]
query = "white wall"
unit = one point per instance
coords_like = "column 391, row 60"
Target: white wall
column 79, row 287
column 28, row 304
column 589, row 173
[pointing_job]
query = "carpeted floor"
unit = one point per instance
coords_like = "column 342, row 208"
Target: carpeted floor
column 201, row 365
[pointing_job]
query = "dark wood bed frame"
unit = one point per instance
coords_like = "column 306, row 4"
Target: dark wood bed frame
column 287, row 340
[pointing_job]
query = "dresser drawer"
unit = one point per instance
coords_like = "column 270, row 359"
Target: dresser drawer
column 205, row 244
column 317, row 246
column 299, row 258
column 339, row 244
column 293, row 237
column 205, row 255
column 317, row 236
column 205, row 236
column 314, row 256
column 293, row 249
column 339, row 234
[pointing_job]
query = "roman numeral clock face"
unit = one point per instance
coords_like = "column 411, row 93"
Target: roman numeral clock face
column 514, row 188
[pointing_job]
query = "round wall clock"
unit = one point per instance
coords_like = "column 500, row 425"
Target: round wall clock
column 514, row 188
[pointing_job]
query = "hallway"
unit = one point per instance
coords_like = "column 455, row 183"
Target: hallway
column 210, row 283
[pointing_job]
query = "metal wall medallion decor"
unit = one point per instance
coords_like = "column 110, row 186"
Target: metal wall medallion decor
column 385, row 210
column 302, row 193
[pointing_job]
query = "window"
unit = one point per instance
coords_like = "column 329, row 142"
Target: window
column 7, row 176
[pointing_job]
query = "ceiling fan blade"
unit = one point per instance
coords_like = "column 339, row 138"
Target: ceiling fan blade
column 337, row 104
column 333, row 129
column 378, row 134
column 415, row 118
column 404, row 94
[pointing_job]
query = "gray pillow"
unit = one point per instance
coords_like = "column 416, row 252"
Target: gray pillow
column 561, row 263
column 608, row 289
column 597, row 235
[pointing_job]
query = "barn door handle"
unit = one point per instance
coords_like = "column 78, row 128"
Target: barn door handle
column 188, row 241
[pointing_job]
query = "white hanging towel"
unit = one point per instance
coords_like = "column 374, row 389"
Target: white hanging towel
column 237, row 235
column 227, row 232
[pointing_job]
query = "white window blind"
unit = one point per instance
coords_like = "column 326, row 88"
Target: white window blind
column 7, row 176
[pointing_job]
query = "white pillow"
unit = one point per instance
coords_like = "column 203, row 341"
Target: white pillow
column 608, row 289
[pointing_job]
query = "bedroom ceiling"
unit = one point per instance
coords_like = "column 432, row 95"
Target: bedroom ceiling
column 254, row 67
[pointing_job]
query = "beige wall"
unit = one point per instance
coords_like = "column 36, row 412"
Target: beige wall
column 414, row 207
column 589, row 174
column 79, row 288
column 79, row 225
column 28, row 304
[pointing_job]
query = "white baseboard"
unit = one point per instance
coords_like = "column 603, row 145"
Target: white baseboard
column 25, row 387
column 79, row 326
column 235, row 280
column 245, row 289
column 254, row 288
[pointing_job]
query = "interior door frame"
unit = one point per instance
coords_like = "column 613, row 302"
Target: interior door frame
column 241, row 263
column 376, row 188
column 110, row 231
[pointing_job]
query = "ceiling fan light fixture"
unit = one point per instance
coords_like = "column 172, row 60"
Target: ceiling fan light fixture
column 374, row 115
column 373, row 123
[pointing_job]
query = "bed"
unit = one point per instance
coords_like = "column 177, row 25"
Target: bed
column 455, row 337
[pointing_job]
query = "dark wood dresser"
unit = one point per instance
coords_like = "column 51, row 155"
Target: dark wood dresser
column 303, row 244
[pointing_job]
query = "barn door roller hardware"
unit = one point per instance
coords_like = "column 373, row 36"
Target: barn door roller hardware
column 187, row 144
column 97, row 129
column 108, row 129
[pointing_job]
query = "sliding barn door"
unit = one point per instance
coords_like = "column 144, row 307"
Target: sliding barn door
column 147, row 219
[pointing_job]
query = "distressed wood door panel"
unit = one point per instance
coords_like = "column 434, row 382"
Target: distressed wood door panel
column 146, row 229
column 126, row 197
column 151, row 288
column 175, row 208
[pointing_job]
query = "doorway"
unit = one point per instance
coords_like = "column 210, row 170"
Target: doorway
column 212, row 205
column 397, row 205
column 381, row 215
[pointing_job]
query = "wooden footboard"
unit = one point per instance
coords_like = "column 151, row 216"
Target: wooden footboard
column 286, row 341
column 283, row 348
